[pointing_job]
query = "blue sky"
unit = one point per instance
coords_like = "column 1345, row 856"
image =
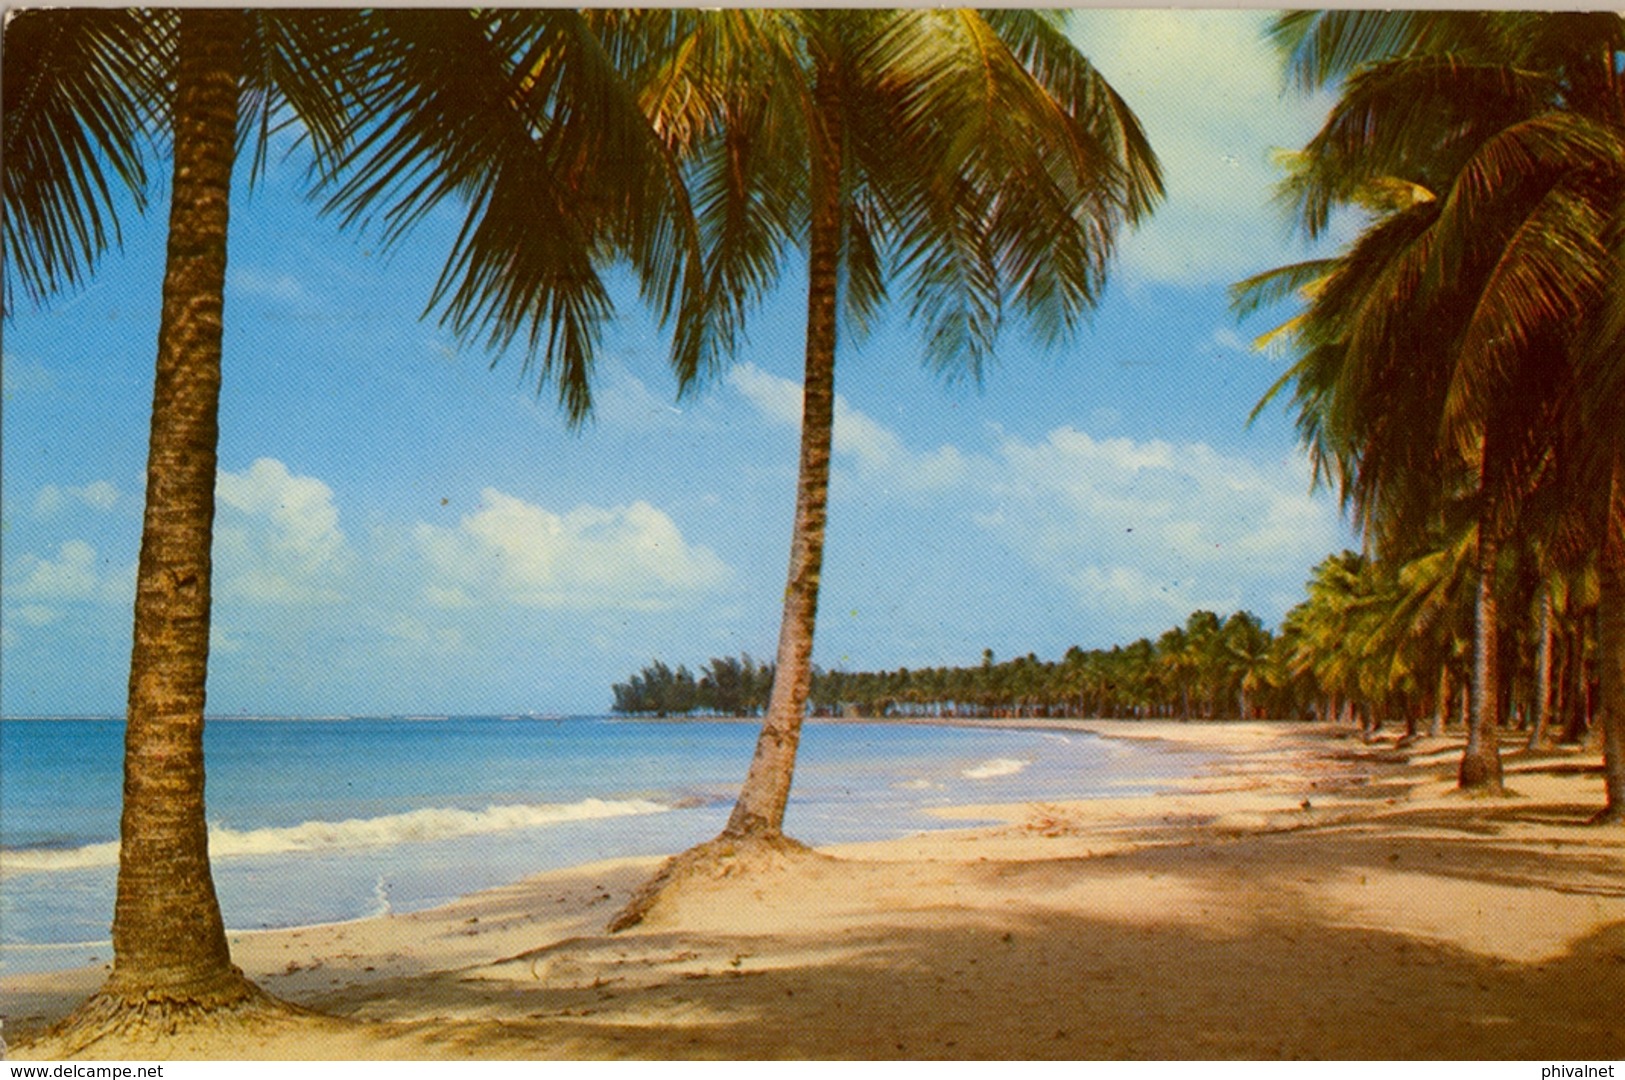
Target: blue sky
column 405, row 529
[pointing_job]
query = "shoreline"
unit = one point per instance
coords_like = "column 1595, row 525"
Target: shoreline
column 1304, row 875
column 1109, row 729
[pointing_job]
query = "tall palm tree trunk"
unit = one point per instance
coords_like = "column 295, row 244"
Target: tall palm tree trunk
column 1543, row 672
column 1481, row 760
column 1441, row 704
column 169, row 941
column 759, row 810
column 1611, row 646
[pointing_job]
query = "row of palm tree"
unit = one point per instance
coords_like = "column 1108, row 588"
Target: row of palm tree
column 1460, row 367
column 975, row 159
column 1374, row 644
column 725, row 686
column 1206, row 669
column 1382, row 640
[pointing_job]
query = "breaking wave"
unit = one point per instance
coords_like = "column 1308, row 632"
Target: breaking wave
column 436, row 823
column 987, row 770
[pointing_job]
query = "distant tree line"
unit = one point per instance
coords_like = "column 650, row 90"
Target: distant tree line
column 1209, row 668
column 726, row 686
column 1376, row 642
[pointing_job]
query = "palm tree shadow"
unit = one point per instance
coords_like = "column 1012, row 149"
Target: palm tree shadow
column 1062, row 985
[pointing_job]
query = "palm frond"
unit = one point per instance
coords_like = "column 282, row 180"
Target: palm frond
column 303, row 72
column 1546, row 274
column 562, row 175
column 1322, row 47
column 84, row 94
column 1415, row 119
column 1273, row 286
column 1021, row 165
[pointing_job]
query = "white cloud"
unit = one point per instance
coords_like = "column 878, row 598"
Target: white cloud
column 514, row 552
column 37, row 615
column 1208, row 90
column 1149, row 528
column 876, row 450
column 774, row 397
column 252, row 282
column 1224, row 343
column 24, row 376
column 626, row 402
column 1154, row 526
column 76, row 573
column 277, row 539
column 52, row 500
column 71, row 575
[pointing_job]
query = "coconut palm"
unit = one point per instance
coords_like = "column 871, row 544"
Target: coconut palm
column 1488, row 147
column 1179, row 667
column 86, row 93
column 1246, row 647
column 977, row 159
column 977, row 156
column 86, row 96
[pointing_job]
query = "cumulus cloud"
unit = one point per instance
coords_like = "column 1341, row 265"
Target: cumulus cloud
column 1142, row 528
column 277, row 539
column 1155, row 526
column 18, row 376
column 513, row 552
column 624, row 401
column 52, row 500
column 37, row 615
column 1214, row 127
column 875, row 449
column 271, row 286
column 37, row 589
column 72, row 575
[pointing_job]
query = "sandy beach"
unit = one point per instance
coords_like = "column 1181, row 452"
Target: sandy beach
column 1308, row 896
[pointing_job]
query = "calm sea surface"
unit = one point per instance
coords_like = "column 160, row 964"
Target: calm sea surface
column 322, row 820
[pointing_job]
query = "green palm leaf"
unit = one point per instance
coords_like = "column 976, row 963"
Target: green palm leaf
column 83, row 93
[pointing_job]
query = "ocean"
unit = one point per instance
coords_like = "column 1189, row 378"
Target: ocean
column 315, row 821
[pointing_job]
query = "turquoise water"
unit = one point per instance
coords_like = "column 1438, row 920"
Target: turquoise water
column 323, row 820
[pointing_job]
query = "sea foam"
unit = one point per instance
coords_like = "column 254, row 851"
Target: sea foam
column 434, row 823
column 987, row 770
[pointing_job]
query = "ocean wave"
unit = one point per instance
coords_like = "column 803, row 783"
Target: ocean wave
column 434, row 823
column 987, row 770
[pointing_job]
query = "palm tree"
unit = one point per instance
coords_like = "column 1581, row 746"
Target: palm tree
column 977, row 156
column 85, row 93
column 1247, row 647
column 1178, row 666
column 1488, row 144
column 84, row 90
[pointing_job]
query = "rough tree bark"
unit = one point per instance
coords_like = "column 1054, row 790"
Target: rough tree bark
column 1481, row 759
column 755, row 828
column 759, row 810
column 1611, row 647
column 170, row 955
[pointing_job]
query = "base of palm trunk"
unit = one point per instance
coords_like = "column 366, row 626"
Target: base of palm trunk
column 1612, row 814
column 133, row 1016
column 1481, row 772
column 751, row 855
